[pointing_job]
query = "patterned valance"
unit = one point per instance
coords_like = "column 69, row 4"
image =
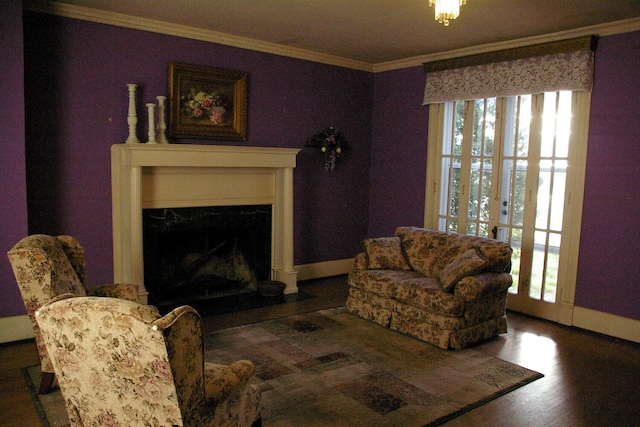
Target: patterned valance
column 527, row 71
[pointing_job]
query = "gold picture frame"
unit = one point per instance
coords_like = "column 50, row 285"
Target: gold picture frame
column 207, row 102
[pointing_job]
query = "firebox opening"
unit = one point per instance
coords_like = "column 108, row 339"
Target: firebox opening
column 199, row 253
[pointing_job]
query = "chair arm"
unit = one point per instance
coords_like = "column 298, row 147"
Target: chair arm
column 221, row 380
column 182, row 329
column 480, row 285
column 127, row 291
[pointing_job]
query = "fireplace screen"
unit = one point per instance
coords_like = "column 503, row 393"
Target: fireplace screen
column 194, row 254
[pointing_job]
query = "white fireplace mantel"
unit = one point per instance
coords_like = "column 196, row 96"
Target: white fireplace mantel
column 179, row 175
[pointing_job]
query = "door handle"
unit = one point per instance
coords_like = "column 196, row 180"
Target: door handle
column 494, row 231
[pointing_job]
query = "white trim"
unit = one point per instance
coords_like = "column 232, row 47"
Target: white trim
column 121, row 20
column 15, row 328
column 324, row 269
column 606, row 323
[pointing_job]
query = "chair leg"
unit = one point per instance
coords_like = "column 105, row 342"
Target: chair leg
column 257, row 423
column 45, row 382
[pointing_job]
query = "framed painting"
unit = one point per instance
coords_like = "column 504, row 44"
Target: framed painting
column 207, row 102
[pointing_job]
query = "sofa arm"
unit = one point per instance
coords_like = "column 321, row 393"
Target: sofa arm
column 474, row 287
column 361, row 261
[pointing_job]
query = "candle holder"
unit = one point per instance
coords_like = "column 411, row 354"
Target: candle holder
column 132, row 118
column 152, row 126
column 162, row 124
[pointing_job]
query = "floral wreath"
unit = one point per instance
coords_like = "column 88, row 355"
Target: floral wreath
column 200, row 105
column 332, row 145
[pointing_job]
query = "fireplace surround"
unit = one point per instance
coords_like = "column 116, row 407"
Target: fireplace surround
column 157, row 176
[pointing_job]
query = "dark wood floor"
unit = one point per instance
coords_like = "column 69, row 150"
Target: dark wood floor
column 590, row 380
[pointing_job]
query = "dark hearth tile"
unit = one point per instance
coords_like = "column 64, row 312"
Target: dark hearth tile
column 371, row 396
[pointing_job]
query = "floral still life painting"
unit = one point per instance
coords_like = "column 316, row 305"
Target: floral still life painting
column 207, row 102
column 332, row 145
column 208, row 106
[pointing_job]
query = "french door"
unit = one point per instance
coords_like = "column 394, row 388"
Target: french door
column 513, row 169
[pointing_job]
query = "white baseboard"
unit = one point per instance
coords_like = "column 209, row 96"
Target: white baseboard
column 606, row 323
column 15, row 328
column 324, row 269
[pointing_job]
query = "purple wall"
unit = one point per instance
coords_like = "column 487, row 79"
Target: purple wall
column 609, row 265
column 398, row 151
column 13, row 201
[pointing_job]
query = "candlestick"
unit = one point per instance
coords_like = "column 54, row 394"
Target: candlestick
column 162, row 124
column 132, row 117
column 152, row 126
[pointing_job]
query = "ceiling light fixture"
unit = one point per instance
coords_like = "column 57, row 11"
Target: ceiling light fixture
column 447, row 9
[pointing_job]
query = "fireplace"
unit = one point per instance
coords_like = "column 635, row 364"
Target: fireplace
column 199, row 183
column 200, row 253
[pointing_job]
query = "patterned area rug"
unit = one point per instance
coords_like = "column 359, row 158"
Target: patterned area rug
column 331, row 368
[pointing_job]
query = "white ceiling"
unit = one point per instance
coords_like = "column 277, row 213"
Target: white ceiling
column 375, row 31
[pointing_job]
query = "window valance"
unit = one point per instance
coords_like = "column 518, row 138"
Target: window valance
column 565, row 65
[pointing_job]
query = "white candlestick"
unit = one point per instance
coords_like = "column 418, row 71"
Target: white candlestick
column 132, row 118
column 152, row 126
column 162, row 124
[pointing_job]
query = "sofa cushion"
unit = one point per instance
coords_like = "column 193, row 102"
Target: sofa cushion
column 465, row 264
column 385, row 253
column 380, row 282
column 422, row 248
column 426, row 293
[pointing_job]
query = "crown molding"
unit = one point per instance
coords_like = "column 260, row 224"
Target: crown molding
column 612, row 28
column 121, row 20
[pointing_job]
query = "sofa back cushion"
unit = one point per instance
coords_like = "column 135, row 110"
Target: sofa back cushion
column 422, row 248
column 429, row 252
column 385, row 253
column 468, row 263
column 496, row 253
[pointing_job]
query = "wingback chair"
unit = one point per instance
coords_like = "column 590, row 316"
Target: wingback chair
column 47, row 266
column 119, row 363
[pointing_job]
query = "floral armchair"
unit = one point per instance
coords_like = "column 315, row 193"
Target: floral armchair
column 119, row 363
column 47, row 266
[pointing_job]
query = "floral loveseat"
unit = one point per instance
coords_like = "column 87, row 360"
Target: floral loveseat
column 444, row 288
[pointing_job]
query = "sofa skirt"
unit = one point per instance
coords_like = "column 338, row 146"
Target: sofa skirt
column 447, row 332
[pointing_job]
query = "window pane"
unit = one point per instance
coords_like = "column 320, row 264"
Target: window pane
column 519, row 193
column 558, row 193
column 524, row 126
column 551, row 273
column 489, row 126
column 548, row 125
column 538, row 264
column 563, row 131
column 474, row 182
column 459, row 123
column 478, row 127
column 544, row 188
column 485, row 190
